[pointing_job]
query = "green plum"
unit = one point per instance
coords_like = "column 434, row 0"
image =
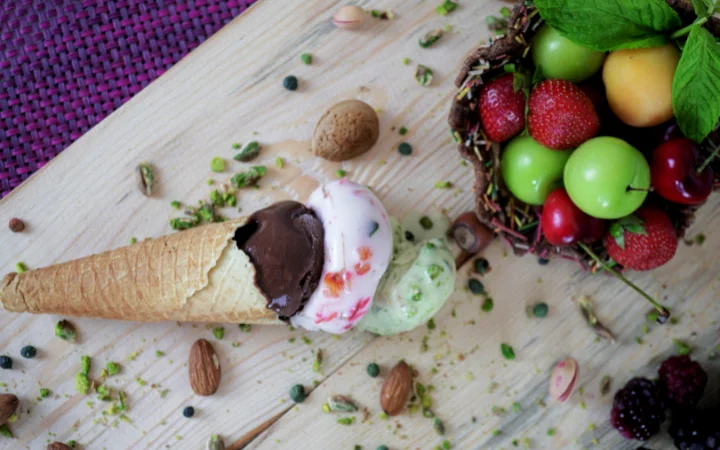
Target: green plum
column 607, row 178
column 559, row 57
column 530, row 170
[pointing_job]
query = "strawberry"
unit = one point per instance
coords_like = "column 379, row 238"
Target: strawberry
column 502, row 109
column 561, row 116
column 642, row 241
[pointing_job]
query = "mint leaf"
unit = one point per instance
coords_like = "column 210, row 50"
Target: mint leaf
column 703, row 8
column 696, row 86
column 611, row 24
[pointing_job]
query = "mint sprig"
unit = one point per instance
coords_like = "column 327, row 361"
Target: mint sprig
column 703, row 8
column 611, row 24
column 696, row 86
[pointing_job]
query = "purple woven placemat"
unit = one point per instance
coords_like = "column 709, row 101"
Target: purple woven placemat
column 66, row 64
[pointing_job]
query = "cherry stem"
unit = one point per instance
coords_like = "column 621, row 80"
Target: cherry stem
column 664, row 312
column 683, row 31
column 709, row 159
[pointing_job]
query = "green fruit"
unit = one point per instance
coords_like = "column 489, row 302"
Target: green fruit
column 559, row 57
column 530, row 170
column 600, row 176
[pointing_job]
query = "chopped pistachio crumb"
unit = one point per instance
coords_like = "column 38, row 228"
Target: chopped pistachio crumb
column 516, row 407
column 443, row 185
column 20, row 267
column 245, row 328
column 164, row 393
column 159, row 353
column 551, row 432
column 683, row 348
column 446, row 7
column 402, row 131
column 306, row 340
column 133, row 355
column 176, row 204
column 140, row 381
column 133, row 240
column 5, row 431
column 218, row 332
column 507, row 351
column 210, row 181
column 85, row 364
column 306, row 58
column 383, row 416
column 496, row 432
column 236, row 145
column 113, row 368
column 340, row 173
column 279, row 162
column 82, row 383
column 346, row 420
column 44, row 392
column 235, row 344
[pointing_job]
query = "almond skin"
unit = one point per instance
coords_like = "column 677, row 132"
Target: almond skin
column 58, row 446
column 8, row 405
column 204, row 368
column 396, row 389
column 346, row 130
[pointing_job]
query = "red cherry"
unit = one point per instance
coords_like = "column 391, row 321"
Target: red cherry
column 563, row 223
column 674, row 172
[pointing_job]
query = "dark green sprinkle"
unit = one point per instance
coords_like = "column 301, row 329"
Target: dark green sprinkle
column 481, row 266
column 543, row 261
column 189, row 411
column 476, row 286
column 540, row 310
column 403, row 131
column 383, row 447
column 438, row 426
column 5, row 362
column 290, row 82
column 373, row 370
column 431, row 324
column 409, row 236
column 405, row 149
column 488, row 305
column 373, row 227
column 297, row 393
column 507, row 351
column 426, row 223
column 28, row 352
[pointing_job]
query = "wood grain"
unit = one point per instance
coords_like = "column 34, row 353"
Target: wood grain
column 230, row 90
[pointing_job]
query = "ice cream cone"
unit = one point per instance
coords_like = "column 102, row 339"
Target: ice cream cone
column 195, row 275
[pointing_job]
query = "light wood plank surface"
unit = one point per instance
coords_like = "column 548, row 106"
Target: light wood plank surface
column 229, row 90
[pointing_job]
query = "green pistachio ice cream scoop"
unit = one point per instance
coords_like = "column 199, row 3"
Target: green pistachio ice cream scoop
column 420, row 278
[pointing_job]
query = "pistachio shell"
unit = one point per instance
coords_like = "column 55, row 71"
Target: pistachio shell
column 563, row 379
column 346, row 130
column 349, row 17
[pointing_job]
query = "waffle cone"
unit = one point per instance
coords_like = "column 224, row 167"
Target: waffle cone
column 195, row 275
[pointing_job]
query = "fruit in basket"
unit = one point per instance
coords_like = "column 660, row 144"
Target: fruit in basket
column 531, row 171
column 674, row 172
column 559, row 57
column 642, row 241
column 563, row 223
column 607, row 178
column 502, row 109
column 638, row 83
column 561, row 116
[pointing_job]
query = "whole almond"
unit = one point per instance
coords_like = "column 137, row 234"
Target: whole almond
column 396, row 389
column 8, row 405
column 204, row 368
column 346, row 130
column 58, row 446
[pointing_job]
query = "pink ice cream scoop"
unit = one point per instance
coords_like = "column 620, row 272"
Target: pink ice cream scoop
column 358, row 248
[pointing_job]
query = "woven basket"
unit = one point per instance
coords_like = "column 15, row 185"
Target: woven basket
column 516, row 222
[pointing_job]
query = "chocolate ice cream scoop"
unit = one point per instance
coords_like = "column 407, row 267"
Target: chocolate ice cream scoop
column 285, row 243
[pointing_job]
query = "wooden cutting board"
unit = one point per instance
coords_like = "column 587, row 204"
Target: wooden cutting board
column 230, row 90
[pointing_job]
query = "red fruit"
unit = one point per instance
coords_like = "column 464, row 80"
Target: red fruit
column 561, row 116
column 642, row 241
column 502, row 110
column 563, row 223
column 674, row 172
column 682, row 380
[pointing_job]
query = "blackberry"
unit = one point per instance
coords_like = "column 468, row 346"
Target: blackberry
column 682, row 381
column 694, row 429
column 638, row 410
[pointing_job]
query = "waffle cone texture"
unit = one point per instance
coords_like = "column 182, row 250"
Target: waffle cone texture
column 194, row 275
